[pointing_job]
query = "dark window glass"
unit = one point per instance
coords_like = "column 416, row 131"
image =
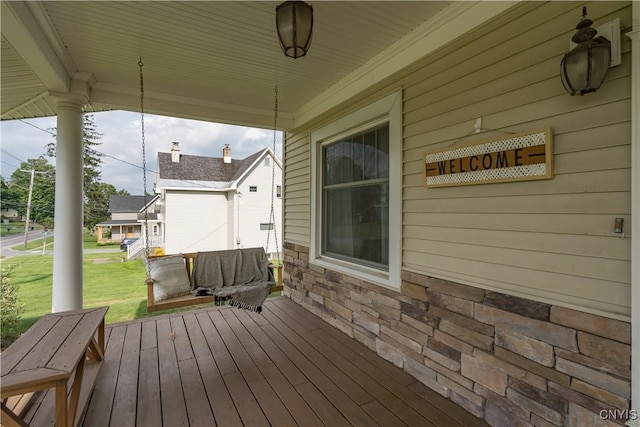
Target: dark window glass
column 355, row 198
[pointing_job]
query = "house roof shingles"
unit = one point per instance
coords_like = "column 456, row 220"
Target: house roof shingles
column 118, row 203
column 200, row 168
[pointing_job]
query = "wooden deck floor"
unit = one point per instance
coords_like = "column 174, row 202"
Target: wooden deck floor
column 228, row 367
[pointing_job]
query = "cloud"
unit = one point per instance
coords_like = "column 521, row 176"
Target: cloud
column 121, row 142
column 21, row 141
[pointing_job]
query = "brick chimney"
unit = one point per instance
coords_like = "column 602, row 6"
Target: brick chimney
column 226, row 154
column 175, row 152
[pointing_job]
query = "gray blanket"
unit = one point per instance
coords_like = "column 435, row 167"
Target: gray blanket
column 238, row 276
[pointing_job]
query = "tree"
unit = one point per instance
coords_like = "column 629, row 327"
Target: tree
column 92, row 160
column 43, row 194
column 8, row 199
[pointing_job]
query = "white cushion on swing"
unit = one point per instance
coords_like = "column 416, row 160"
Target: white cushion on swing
column 169, row 277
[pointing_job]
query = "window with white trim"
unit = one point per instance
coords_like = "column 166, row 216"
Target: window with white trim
column 355, row 197
column 356, row 200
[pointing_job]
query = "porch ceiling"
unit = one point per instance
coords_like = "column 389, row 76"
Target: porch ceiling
column 216, row 61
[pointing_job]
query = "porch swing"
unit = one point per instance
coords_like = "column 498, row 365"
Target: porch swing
column 242, row 277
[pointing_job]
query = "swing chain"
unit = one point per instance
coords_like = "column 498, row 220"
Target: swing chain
column 272, row 219
column 144, row 170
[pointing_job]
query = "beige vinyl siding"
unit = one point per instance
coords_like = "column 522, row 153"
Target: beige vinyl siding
column 553, row 240
column 296, row 190
column 127, row 216
column 548, row 240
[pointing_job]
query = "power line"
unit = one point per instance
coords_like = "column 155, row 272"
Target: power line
column 10, row 164
column 194, row 183
column 120, row 160
column 39, row 128
column 11, row 155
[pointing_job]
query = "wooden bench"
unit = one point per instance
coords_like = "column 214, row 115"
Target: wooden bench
column 187, row 300
column 63, row 351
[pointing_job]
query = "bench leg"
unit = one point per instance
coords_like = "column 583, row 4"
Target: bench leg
column 9, row 419
column 75, row 392
column 61, row 403
column 95, row 351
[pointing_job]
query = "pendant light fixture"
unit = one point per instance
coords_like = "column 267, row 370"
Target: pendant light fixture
column 294, row 21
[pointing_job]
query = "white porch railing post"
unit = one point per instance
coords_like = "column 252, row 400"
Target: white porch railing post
column 138, row 245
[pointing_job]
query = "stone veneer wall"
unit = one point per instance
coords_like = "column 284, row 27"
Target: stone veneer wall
column 512, row 361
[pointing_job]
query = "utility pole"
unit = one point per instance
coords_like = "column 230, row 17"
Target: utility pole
column 26, row 224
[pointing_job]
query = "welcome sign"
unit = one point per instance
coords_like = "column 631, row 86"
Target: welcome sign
column 517, row 157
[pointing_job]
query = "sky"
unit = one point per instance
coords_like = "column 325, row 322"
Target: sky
column 121, row 142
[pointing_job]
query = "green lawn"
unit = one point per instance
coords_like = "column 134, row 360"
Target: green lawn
column 108, row 280
column 91, row 242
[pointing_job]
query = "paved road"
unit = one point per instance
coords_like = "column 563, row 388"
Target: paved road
column 7, row 242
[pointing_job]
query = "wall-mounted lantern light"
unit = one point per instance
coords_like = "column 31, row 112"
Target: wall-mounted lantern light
column 584, row 68
column 294, row 21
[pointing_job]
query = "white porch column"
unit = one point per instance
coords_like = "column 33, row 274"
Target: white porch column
column 634, row 35
column 67, row 252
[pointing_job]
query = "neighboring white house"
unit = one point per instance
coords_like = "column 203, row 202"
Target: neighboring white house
column 213, row 203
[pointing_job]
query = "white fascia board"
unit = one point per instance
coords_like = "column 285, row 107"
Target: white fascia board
column 453, row 22
column 28, row 28
column 151, row 202
column 128, row 98
column 246, row 173
column 179, row 185
column 250, row 169
column 200, row 189
column 278, row 162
